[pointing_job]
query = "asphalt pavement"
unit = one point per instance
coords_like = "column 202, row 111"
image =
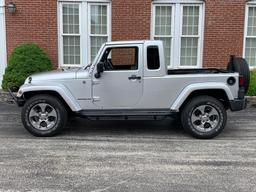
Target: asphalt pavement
column 127, row 156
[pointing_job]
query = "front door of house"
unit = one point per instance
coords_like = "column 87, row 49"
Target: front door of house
column 2, row 41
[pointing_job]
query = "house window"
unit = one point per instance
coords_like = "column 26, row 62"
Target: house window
column 180, row 27
column 99, row 28
column 71, row 34
column 163, row 29
column 250, row 36
column 82, row 32
column 190, row 36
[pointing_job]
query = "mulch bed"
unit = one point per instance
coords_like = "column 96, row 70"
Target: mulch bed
column 5, row 97
column 252, row 101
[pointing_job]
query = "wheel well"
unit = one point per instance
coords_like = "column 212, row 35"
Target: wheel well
column 216, row 93
column 28, row 95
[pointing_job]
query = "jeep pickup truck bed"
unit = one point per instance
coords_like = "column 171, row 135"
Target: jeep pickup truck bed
column 196, row 71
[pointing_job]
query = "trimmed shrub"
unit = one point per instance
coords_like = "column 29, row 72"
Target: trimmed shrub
column 252, row 88
column 25, row 60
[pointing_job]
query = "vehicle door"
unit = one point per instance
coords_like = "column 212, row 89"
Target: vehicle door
column 120, row 85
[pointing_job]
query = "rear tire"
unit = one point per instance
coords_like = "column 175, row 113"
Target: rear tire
column 204, row 117
column 44, row 116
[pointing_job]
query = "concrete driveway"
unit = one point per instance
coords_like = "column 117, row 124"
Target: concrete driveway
column 127, row 156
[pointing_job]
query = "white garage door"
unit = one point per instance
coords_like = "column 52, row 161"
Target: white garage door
column 2, row 41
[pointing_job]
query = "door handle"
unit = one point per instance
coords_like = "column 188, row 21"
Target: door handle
column 134, row 77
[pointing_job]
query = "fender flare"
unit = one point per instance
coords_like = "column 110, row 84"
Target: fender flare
column 58, row 88
column 199, row 87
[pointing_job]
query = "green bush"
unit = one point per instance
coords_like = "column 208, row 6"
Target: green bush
column 25, row 60
column 252, row 88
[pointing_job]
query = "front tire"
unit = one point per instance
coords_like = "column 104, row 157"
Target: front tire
column 204, row 117
column 44, row 116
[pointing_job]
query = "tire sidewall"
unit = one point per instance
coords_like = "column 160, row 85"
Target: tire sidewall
column 55, row 104
column 187, row 123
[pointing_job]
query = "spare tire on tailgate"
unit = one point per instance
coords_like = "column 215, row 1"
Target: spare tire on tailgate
column 240, row 65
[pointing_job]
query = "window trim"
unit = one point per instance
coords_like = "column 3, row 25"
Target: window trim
column 178, row 9
column 61, row 34
column 137, row 52
column 153, row 35
column 98, row 35
column 199, row 36
column 248, row 5
column 103, row 49
column 179, row 1
column 84, row 29
column 159, row 68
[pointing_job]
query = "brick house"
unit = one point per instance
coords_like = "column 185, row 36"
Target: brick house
column 196, row 33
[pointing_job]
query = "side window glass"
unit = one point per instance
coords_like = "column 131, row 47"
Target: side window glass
column 121, row 58
column 153, row 58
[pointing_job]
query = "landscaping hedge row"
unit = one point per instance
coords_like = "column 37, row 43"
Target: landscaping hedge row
column 26, row 59
column 252, row 88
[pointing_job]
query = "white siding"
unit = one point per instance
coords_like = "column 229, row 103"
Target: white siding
column 3, row 55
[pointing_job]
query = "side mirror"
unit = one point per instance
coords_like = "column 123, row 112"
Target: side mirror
column 100, row 69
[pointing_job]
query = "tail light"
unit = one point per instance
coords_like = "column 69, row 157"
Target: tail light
column 241, row 81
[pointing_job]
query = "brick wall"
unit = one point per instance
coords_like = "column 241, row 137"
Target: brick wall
column 224, row 29
column 123, row 56
column 36, row 21
column 131, row 19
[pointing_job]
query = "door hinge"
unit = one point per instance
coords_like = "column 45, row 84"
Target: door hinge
column 96, row 99
column 95, row 82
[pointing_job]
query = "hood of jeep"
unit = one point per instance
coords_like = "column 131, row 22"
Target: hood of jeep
column 55, row 75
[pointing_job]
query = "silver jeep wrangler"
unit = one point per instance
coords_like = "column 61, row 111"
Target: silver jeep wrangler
column 129, row 80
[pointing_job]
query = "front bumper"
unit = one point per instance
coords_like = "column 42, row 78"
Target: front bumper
column 238, row 104
column 20, row 101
